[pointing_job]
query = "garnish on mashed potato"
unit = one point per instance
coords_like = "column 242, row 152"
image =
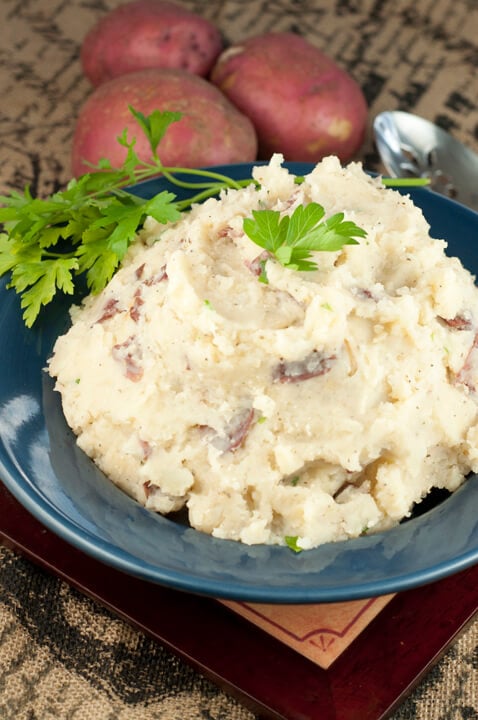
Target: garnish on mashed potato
column 85, row 230
column 365, row 367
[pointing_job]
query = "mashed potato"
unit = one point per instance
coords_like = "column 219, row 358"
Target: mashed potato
column 319, row 406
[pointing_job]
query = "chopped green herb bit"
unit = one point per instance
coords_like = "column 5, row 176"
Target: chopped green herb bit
column 263, row 276
column 295, row 480
column 291, row 542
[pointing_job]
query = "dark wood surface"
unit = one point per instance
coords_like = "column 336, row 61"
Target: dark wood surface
column 367, row 682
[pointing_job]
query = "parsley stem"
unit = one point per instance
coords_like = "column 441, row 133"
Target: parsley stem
column 150, row 171
column 224, row 179
column 406, row 182
column 184, row 183
column 210, row 191
column 388, row 181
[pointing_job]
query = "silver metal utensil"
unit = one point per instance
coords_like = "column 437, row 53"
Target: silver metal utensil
column 410, row 146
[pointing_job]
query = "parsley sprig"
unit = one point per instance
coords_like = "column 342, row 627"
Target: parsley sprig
column 291, row 239
column 87, row 228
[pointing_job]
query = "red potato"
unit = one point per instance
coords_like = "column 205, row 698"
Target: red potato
column 211, row 131
column 146, row 34
column 301, row 103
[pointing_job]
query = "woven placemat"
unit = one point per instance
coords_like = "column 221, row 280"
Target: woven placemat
column 61, row 655
column 64, row 657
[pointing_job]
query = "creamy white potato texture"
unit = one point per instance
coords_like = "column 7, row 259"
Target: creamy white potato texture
column 318, row 406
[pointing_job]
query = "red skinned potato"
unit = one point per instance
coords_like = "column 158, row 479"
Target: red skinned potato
column 301, row 103
column 211, row 131
column 146, row 34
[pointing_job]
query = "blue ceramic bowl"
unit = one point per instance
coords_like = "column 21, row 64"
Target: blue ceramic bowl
column 43, row 468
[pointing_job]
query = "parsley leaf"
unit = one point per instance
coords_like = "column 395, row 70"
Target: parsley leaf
column 155, row 125
column 8, row 253
column 38, row 282
column 291, row 239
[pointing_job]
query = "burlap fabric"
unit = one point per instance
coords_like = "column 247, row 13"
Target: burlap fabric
column 62, row 656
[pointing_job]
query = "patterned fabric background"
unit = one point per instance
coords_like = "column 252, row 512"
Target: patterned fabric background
column 406, row 55
column 61, row 656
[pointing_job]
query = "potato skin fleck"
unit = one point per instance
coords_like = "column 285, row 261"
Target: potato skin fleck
column 301, row 103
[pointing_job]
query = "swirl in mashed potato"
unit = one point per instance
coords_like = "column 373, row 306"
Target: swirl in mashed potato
column 320, row 406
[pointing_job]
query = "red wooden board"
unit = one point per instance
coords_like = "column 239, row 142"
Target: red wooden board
column 367, row 682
